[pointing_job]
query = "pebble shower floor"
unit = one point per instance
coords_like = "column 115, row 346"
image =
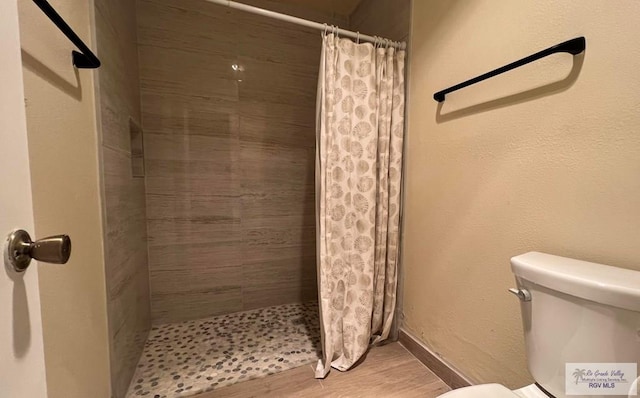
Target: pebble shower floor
column 188, row 358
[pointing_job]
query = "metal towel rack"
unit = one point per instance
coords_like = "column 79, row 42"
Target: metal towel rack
column 573, row 46
column 85, row 59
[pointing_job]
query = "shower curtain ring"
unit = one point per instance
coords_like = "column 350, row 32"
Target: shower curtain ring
column 326, row 27
column 357, row 37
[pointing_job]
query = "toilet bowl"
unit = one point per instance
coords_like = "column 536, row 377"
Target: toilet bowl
column 572, row 312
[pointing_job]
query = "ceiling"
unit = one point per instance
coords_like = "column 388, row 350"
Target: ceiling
column 340, row 7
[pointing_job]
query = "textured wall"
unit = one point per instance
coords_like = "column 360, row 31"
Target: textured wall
column 229, row 157
column 386, row 18
column 545, row 158
column 63, row 151
column 126, row 264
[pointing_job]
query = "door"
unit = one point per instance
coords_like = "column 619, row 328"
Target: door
column 22, row 370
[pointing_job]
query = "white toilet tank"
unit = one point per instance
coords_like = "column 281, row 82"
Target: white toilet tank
column 578, row 312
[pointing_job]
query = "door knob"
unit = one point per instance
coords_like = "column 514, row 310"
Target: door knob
column 21, row 249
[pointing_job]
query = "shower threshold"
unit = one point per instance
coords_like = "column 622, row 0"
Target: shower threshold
column 188, row 358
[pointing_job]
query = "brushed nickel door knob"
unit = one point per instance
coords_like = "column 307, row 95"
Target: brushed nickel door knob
column 21, row 249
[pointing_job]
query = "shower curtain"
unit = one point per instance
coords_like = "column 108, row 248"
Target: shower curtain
column 359, row 130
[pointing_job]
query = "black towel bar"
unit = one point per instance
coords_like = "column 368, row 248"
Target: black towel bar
column 82, row 60
column 573, row 46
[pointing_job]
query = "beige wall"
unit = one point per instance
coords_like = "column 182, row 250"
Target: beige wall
column 126, row 264
column 63, row 150
column 544, row 158
column 229, row 158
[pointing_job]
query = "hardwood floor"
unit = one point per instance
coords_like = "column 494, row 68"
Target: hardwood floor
column 387, row 371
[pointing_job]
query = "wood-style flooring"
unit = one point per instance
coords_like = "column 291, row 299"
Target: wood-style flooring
column 387, row 371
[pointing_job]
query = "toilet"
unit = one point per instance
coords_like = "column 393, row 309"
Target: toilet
column 572, row 312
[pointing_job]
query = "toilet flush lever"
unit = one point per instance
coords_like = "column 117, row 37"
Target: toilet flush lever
column 523, row 294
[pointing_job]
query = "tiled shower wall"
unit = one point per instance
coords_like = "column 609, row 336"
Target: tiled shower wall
column 390, row 19
column 125, row 242
column 229, row 157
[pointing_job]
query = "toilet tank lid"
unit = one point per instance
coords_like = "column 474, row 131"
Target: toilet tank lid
column 604, row 284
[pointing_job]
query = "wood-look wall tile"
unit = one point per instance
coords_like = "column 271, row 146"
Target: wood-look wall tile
column 386, row 18
column 119, row 84
column 213, row 178
column 288, row 271
column 161, row 38
column 195, row 186
column 186, row 278
column 273, row 87
column 190, row 25
column 268, row 82
column 179, row 120
column 280, row 167
column 272, row 124
column 279, row 281
column 208, row 254
column 183, row 290
column 293, row 207
column 217, row 169
column 194, row 229
column 125, row 246
column 185, row 306
column 229, row 155
column 299, row 224
column 130, row 318
column 266, row 296
column 272, row 40
column 188, row 9
column 181, row 105
column 214, row 88
column 294, row 74
column 303, row 9
column 181, row 205
column 125, row 243
column 224, row 185
column 297, row 116
column 114, row 118
column 281, row 237
column 200, row 75
column 161, row 61
column 193, row 151
column 275, row 253
column 267, row 243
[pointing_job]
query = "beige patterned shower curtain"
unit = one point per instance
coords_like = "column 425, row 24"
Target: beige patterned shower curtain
column 360, row 128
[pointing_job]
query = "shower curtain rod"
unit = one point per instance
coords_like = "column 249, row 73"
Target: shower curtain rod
column 301, row 21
